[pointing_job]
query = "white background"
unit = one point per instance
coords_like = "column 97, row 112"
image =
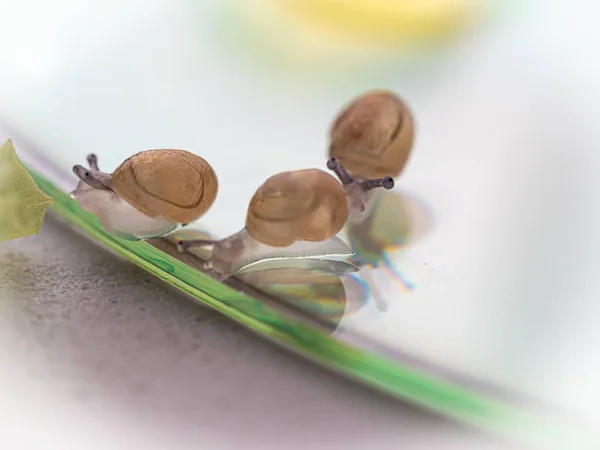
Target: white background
column 506, row 157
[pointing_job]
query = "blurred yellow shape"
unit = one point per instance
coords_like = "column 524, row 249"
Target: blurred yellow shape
column 328, row 36
column 22, row 204
column 385, row 21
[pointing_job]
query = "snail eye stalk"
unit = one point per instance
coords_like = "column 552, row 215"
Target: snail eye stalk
column 344, row 176
column 358, row 191
column 374, row 183
column 92, row 161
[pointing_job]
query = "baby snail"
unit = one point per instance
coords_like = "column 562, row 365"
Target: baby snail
column 289, row 209
column 149, row 194
column 370, row 142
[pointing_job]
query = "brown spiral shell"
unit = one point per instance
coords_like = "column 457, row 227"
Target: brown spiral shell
column 373, row 136
column 303, row 205
column 176, row 184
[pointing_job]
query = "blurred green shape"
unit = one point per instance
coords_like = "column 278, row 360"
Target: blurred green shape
column 22, row 204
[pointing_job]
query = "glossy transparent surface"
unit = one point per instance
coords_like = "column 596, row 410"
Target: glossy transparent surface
column 475, row 293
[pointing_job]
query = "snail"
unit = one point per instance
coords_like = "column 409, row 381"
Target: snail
column 288, row 208
column 370, row 142
column 150, row 194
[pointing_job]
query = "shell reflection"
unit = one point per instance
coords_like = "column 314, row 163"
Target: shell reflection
column 326, row 290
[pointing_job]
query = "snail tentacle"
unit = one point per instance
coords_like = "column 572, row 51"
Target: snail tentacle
column 358, row 191
column 92, row 161
column 374, row 183
column 344, row 176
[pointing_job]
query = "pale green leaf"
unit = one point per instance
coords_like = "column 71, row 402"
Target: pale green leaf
column 22, row 204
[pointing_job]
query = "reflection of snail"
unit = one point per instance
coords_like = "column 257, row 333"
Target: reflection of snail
column 326, row 290
column 387, row 227
column 303, row 205
column 370, row 142
column 149, row 194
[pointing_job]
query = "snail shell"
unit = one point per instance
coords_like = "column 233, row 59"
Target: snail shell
column 303, row 205
column 175, row 184
column 373, row 136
